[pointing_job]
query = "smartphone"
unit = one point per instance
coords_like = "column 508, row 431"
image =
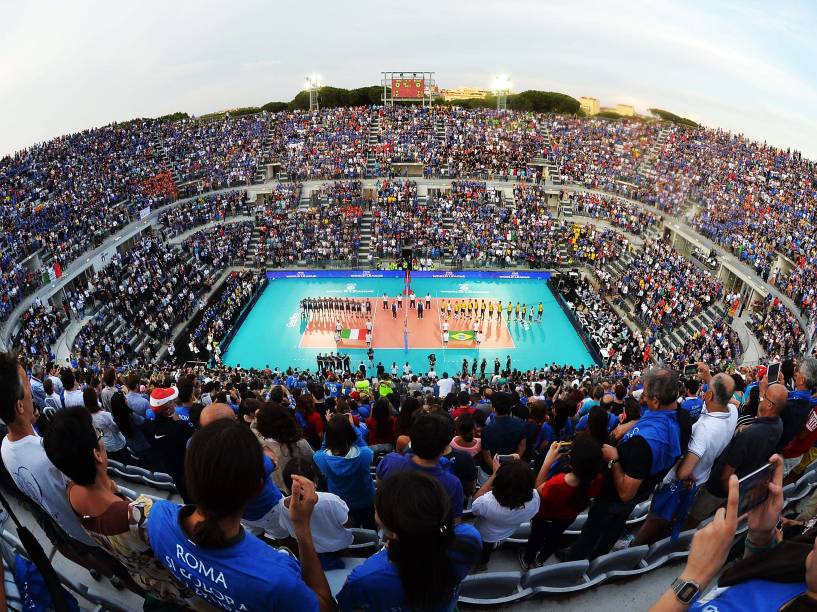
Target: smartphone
column 505, row 458
column 690, row 370
column 754, row 488
column 564, row 447
column 773, row 373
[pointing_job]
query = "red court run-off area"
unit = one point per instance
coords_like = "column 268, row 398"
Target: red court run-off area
column 387, row 330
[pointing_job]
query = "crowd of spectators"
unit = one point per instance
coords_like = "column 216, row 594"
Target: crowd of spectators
column 407, row 135
column 329, row 229
column 201, row 210
column 618, row 212
column 718, row 345
column 328, row 143
column 219, row 152
column 39, row 328
column 149, row 288
column 222, row 312
column 287, row 455
column 221, row 245
column 666, row 289
column 595, row 151
column 777, row 329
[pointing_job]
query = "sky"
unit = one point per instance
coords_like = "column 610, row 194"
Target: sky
column 743, row 65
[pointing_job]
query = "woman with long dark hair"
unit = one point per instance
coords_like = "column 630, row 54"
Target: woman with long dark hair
column 206, row 547
column 130, row 426
column 309, row 419
column 344, row 460
column 381, row 424
column 114, row 441
column 280, row 433
column 426, row 556
column 562, row 497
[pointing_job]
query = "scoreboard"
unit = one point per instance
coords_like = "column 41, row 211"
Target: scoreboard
column 408, row 89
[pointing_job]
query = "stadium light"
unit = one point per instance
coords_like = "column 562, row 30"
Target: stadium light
column 501, row 87
column 313, row 83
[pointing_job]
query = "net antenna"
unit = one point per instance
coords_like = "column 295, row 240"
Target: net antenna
column 408, row 86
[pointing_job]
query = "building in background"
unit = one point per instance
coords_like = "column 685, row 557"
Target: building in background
column 625, row 110
column 464, row 93
column 590, row 106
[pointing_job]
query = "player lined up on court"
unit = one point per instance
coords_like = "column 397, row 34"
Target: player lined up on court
column 469, row 309
column 323, row 307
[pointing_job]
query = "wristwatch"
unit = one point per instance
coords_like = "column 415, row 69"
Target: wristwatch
column 611, row 463
column 685, row 590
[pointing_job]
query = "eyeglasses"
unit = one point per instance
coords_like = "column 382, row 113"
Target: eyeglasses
column 772, row 402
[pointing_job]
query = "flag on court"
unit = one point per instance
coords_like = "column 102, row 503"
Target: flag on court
column 353, row 334
column 465, row 335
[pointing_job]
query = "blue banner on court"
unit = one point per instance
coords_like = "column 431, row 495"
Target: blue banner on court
column 487, row 274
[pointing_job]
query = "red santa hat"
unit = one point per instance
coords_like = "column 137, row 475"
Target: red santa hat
column 161, row 397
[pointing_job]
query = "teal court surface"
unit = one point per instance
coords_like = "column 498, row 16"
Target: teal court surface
column 274, row 334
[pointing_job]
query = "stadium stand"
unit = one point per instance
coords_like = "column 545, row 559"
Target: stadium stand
column 649, row 309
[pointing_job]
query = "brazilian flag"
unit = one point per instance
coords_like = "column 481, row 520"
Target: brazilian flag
column 463, row 335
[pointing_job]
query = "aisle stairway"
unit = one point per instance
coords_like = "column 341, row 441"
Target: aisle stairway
column 266, row 156
column 645, row 167
column 439, row 137
column 365, row 237
column 373, row 141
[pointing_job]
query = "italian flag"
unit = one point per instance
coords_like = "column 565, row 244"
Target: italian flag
column 353, row 334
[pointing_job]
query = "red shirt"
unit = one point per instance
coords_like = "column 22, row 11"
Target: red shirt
column 805, row 439
column 555, row 498
column 457, row 412
column 376, row 437
column 315, row 423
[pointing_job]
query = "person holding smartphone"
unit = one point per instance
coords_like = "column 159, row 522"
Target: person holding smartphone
column 748, row 450
column 772, row 575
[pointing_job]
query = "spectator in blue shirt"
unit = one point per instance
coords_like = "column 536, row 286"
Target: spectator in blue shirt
column 430, row 435
column 691, row 402
column 507, row 434
column 205, row 546
column 344, row 460
column 426, row 555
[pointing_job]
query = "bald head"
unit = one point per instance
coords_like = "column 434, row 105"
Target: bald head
column 214, row 412
column 777, row 395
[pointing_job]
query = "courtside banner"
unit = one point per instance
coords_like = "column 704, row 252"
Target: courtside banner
column 502, row 275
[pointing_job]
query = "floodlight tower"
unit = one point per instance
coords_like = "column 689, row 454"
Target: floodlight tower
column 314, row 84
column 501, row 87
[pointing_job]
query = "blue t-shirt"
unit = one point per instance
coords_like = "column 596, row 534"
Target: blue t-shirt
column 334, row 388
column 267, row 499
column 246, row 575
column 376, row 584
column 751, row 596
column 693, row 405
column 612, row 422
column 395, row 462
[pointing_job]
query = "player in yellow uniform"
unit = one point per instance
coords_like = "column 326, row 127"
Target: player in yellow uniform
column 524, row 312
column 490, row 310
column 442, row 309
column 456, row 309
column 517, row 312
column 509, row 308
column 539, row 312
